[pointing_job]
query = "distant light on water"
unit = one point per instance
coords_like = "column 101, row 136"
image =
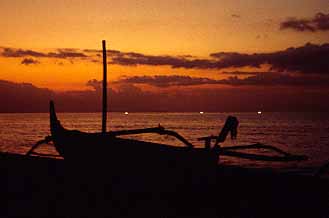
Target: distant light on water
column 259, row 112
column 126, row 113
column 201, row 112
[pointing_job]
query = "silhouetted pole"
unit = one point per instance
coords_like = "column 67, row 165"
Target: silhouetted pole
column 104, row 114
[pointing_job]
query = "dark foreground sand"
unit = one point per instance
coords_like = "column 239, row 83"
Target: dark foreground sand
column 41, row 187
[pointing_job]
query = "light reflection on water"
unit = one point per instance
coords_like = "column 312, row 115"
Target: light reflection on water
column 301, row 133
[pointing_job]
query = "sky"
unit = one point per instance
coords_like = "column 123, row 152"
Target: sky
column 170, row 55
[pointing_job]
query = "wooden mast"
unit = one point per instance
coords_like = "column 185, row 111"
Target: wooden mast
column 104, row 113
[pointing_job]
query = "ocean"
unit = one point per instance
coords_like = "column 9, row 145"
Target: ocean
column 298, row 133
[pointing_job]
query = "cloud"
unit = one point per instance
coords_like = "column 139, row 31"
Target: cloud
column 166, row 81
column 134, row 59
column 261, row 79
column 307, row 59
column 108, row 51
column 261, row 36
column 242, row 72
column 235, row 16
column 97, row 85
column 60, row 63
column 320, row 22
column 278, row 79
column 24, row 97
column 10, row 52
column 29, row 61
column 66, row 54
column 60, row 53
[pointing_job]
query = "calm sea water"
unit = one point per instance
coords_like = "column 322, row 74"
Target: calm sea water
column 300, row 133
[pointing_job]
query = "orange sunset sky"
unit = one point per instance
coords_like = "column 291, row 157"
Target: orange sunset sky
column 217, row 55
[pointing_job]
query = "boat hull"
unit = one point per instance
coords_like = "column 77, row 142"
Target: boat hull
column 148, row 164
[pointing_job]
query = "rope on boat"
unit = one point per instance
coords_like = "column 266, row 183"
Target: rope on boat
column 257, row 146
column 229, row 151
column 159, row 130
column 178, row 136
column 46, row 140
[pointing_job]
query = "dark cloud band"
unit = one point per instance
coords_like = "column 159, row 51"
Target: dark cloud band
column 24, row 97
column 261, row 79
column 29, row 61
column 61, row 53
column 320, row 22
column 307, row 59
